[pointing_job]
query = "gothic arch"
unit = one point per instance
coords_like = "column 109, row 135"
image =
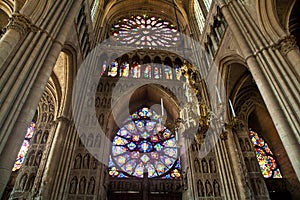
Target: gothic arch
column 234, row 73
column 35, row 10
column 145, row 95
column 253, row 114
column 284, row 10
column 115, row 9
column 294, row 22
column 269, row 20
column 7, row 7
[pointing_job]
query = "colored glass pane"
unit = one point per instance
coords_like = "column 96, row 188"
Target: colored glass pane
column 124, row 70
column 120, row 141
column 136, row 70
column 138, row 147
column 113, row 70
column 104, row 67
column 156, row 72
column 266, row 160
column 24, row 148
column 168, row 73
column 147, row 71
column 177, row 72
column 145, row 31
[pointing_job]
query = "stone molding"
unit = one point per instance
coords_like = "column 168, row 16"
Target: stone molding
column 287, row 44
column 21, row 24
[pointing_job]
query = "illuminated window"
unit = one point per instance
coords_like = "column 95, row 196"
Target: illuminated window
column 142, row 145
column 145, row 31
column 113, row 70
column 24, row 148
column 207, row 4
column 267, row 163
column 94, row 9
column 199, row 15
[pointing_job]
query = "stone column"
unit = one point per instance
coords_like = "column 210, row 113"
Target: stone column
column 288, row 47
column 31, row 71
column 146, row 186
column 226, row 171
column 54, row 158
column 277, row 109
column 236, row 164
column 18, row 27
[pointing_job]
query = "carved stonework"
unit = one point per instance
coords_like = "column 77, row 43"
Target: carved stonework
column 287, row 44
column 20, row 23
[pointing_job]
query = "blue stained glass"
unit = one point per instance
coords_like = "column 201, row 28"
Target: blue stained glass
column 124, row 133
column 140, row 125
column 156, row 73
column 145, row 30
column 167, row 160
column 124, row 70
column 120, row 141
column 151, row 170
column 154, row 138
column 139, row 170
column 154, row 155
column 267, row 163
column 24, row 148
column 104, row 67
column 145, row 135
column 113, row 70
column 177, row 72
column 168, row 73
column 138, row 147
column 145, row 158
column 171, row 152
column 130, row 166
column 131, row 127
column 147, row 71
column 170, row 143
column 135, row 154
column 168, row 176
column 136, row 70
column 145, row 146
column 167, row 134
column 131, row 146
column 158, row 147
column 150, row 126
column 121, row 175
column 118, row 150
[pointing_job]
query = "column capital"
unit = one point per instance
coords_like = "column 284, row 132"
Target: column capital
column 287, row 44
column 21, row 24
column 63, row 119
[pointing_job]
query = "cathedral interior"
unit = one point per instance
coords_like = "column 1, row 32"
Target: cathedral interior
column 149, row 99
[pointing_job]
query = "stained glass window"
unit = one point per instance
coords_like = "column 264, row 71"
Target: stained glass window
column 104, row 67
column 266, row 160
column 177, row 72
column 136, row 70
column 168, row 73
column 157, row 72
column 147, row 71
column 142, row 145
column 124, row 70
column 143, row 30
column 199, row 15
column 24, row 148
column 113, row 70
